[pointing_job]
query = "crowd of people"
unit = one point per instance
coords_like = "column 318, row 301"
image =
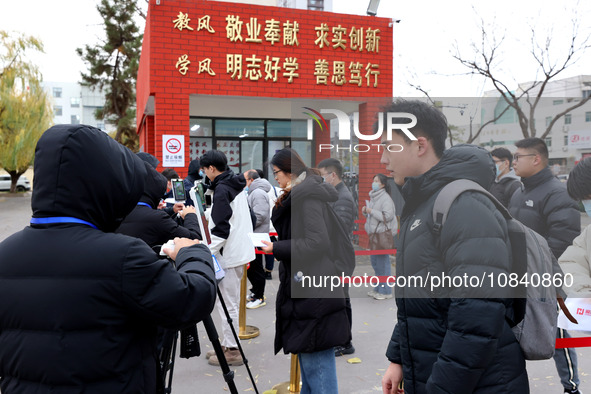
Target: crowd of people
column 91, row 291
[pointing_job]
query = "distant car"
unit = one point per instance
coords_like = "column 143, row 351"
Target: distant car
column 562, row 177
column 22, row 185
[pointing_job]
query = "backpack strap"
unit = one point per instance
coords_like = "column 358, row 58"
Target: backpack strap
column 448, row 195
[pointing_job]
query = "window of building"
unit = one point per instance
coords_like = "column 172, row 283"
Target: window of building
column 201, row 127
column 57, row 92
column 548, row 120
column 548, row 141
column 57, row 110
column 586, row 93
column 567, row 119
column 587, row 116
column 287, row 128
column 239, row 128
column 565, row 140
column 75, row 119
column 75, row 102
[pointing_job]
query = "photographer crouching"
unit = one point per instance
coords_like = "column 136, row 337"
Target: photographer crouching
column 80, row 304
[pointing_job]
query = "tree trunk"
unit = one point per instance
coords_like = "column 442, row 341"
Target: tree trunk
column 14, row 175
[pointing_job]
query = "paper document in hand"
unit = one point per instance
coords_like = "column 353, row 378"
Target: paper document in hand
column 256, row 239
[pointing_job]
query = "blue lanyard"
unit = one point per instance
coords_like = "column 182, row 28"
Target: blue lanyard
column 144, row 204
column 61, row 219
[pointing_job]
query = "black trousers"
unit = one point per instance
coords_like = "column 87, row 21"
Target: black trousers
column 256, row 276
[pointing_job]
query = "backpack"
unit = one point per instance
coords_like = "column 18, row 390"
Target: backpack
column 341, row 249
column 535, row 313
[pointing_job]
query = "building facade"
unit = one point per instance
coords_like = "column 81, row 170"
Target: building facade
column 569, row 138
column 76, row 104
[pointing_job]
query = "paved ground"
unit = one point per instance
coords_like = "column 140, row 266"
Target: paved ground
column 372, row 327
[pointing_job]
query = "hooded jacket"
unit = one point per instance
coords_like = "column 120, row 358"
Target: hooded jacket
column 189, row 181
column 84, row 303
column 454, row 344
column 504, row 188
column 230, row 221
column 155, row 226
column 305, row 325
column 544, row 205
column 258, row 200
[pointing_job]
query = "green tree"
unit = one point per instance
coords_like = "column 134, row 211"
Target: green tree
column 112, row 68
column 25, row 109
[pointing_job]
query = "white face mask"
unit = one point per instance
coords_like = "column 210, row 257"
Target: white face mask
column 587, row 206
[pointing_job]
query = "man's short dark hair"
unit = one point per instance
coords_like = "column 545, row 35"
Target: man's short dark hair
column 579, row 180
column 170, row 173
column 252, row 174
column 431, row 122
column 260, row 172
column 214, row 158
column 536, row 144
column 332, row 165
column 503, row 154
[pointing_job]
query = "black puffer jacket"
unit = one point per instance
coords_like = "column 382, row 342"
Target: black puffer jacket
column 345, row 208
column 503, row 189
column 454, row 345
column 79, row 305
column 543, row 205
column 155, row 226
column 305, row 325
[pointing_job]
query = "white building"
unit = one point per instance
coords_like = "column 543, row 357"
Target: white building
column 76, row 104
column 570, row 137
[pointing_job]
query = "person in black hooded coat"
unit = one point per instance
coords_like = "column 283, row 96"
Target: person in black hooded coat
column 309, row 322
column 81, row 304
column 155, row 226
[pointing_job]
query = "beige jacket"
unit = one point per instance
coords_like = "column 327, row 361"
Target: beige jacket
column 576, row 260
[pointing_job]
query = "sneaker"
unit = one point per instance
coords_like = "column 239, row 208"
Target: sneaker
column 257, row 303
column 268, row 275
column 372, row 293
column 211, row 353
column 575, row 391
column 250, row 297
column 341, row 350
column 233, row 358
column 380, row 296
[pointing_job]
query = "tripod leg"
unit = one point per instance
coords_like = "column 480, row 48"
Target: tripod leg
column 213, row 337
column 229, row 319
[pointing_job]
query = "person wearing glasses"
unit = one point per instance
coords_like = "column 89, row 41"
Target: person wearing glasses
column 310, row 322
column 544, row 205
column 506, row 181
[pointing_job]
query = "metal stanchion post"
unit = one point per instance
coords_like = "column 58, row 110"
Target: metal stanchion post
column 293, row 386
column 244, row 331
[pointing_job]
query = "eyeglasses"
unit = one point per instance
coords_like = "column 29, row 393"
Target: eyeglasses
column 276, row 172
column 517, row 156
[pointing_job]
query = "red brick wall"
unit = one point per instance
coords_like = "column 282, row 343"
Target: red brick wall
column 164, row 44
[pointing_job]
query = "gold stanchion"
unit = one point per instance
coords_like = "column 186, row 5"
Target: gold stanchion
column 293, row 386
column 244, row 331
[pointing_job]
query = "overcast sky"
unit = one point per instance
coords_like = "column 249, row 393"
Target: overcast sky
column 423, row 40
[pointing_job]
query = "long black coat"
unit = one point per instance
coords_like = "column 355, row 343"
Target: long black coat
column 445, row 342
column 155, row 226
column 80, row 305
column 305, row 325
